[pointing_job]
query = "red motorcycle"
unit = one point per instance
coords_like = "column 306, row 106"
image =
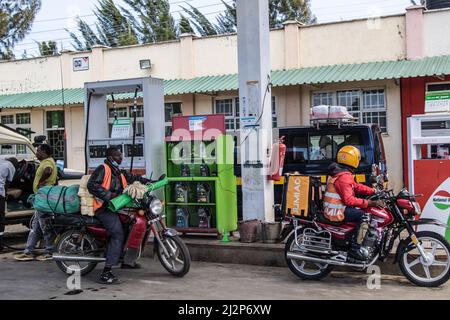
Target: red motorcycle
column 81, row 243
column 315, row 246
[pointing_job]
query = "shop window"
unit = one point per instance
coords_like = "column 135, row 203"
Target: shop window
column 16, row 122
column 9, row 119
column 171, row 109
column 23, row 118
column 230, row 108
column 368, row 106
column 55, row 119
column 323, row 98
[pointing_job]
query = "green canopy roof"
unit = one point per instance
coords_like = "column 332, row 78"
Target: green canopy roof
column 433, row 66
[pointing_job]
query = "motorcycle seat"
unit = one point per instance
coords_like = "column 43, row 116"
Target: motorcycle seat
column 322, row 219
column 76, row 220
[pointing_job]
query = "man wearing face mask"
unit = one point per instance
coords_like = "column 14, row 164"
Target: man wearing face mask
column 106, row 183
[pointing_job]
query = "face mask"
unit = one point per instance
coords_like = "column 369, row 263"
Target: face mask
column 115, row 164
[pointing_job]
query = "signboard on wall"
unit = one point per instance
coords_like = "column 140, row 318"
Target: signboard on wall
column 437, row 101
column 81, row 64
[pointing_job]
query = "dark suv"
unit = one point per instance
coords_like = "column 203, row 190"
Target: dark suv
column 310, row 150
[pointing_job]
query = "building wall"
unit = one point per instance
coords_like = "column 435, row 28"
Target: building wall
column 436, row 32
column 353, row 42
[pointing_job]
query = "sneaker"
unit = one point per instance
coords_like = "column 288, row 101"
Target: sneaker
column 131, row 266
column 44, row 257
column 25, row 256
column 108, row 278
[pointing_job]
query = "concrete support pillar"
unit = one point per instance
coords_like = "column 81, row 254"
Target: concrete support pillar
column 255, row 108
column 187, row 56
column 293, row 106
column 291, row 44
column 97, row 63
column 414, row 32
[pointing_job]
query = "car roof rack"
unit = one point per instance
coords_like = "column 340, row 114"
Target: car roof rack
column 333, row 122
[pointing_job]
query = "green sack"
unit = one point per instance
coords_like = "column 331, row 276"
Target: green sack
column 56, row 199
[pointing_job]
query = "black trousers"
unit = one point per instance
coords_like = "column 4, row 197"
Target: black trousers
column 113, row 225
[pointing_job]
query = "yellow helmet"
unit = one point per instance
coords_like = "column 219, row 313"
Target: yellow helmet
column 350, row 156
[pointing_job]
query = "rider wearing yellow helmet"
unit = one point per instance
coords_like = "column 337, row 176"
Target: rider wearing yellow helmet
column 340, row 200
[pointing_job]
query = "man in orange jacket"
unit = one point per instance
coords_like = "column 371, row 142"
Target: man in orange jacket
column 106, row 183
column 340, row 200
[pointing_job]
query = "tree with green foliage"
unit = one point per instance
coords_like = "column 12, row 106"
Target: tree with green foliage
column 184, row 25
column 151, row 19
column 226, row 22
column 47, row 48
column 201, row 24
column 16, row 19
column 279, row 12
column 113, row 29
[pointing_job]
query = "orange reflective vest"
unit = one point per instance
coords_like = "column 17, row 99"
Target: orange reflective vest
column 107, row 184
column 333, row 206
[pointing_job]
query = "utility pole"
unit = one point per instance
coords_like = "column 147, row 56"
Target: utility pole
column 255, row 98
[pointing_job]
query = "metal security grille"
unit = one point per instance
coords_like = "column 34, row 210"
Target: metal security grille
column 56, row 141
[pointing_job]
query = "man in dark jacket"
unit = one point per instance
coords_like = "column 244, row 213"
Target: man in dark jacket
column 106, row 183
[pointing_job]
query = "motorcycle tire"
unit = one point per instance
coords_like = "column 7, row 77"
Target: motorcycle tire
column 322, row 273
column 402, row 251
column 65, row 266
column 184, row 252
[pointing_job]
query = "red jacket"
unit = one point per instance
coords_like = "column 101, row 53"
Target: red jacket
column 347, row 188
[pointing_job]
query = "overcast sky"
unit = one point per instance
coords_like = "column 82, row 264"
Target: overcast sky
column 56, row 15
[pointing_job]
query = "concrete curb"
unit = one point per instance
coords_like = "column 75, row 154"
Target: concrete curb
column 260, row 254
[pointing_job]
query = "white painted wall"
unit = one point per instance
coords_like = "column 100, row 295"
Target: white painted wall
column 353, row 42
column 437, row 32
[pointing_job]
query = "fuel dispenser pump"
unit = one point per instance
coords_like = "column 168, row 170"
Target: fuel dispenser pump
column 144, row 152
column 429, row 166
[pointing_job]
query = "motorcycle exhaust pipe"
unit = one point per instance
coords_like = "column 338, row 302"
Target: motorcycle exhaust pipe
column 298, row 256
column 64, row 257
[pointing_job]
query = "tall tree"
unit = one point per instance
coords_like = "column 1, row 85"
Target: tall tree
column 112, row 28
column 16, row 19
column 279, row 12
column 184, row 26
column 151, row 19
column 47, row 48
column 201, row 24
column 226, row 22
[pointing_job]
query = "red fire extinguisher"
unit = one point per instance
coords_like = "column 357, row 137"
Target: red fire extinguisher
column 277, row 161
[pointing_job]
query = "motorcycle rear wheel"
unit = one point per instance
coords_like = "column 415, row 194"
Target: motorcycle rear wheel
column 67, row 245
column 300, row 268
column 178, row 262
column 419, row 271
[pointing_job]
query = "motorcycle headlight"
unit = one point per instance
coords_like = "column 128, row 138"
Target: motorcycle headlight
column 156, row 206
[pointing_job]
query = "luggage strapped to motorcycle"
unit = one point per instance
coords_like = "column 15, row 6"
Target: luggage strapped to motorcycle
column 61, row 194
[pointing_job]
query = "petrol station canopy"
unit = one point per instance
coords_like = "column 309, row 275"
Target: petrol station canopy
column 383, row 70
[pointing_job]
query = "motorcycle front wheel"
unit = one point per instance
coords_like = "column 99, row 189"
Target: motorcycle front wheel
column 432, row 271
column 177, row 260
column 69, row 244
column 304, row 269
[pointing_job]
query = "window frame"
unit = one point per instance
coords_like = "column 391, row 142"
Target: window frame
column 236, row 111
column 15, row 126
column 362, row 108
column 168, row 124
column 435, row 83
